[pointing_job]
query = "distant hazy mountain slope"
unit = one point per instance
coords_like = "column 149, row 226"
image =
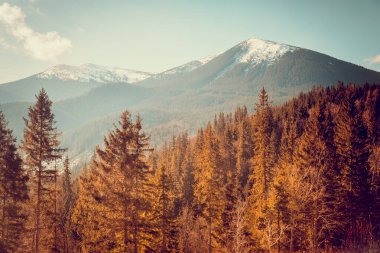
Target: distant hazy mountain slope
column 102, row 101
column 64, row 82
column 24, row 90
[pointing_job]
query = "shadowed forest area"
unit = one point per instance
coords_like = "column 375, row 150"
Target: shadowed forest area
column 300, row 177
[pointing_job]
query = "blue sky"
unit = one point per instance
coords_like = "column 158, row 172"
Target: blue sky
column 157, row 35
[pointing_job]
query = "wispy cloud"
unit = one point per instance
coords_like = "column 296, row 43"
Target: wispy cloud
column 374, row 60
column 41, row 46
column 5, row 44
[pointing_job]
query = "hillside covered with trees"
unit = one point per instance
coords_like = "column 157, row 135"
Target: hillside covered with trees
column 301, row 177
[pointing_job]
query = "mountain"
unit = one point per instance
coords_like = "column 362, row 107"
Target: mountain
column 284, row 70
column 93, row 73
column 89, row 98
column 65, row 81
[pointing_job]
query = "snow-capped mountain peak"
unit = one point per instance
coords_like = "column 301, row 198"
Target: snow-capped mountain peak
column 255, row 51
column 93, row 73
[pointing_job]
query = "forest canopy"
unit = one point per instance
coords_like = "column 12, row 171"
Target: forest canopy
column 300, row 177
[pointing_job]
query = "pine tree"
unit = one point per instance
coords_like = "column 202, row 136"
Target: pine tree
column 89, row 219
column 371, row 115
column 280, row 197
column 176, row 169
column 374, row 160
column 352, row 149
column 263, row 167
column 163, row 211
column 41, row 147
column 125, row 172
column 289, row 143
column 314, row 154
column 13, row 191
column 67, row 202
column 187, row 180
column 231, row 182
column 208, row 189
column 263, row 155
column 244, row 152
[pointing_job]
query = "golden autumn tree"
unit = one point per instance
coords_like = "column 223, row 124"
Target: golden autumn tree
column 124, row 175
column 89, row 218
column 263, row 167
column 65, row 207
column 162, row 213
column 314, row 153
column 41, row 147
column 209, row 189
column 353, row 153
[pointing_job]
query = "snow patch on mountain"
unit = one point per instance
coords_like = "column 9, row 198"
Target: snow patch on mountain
column 93, row 73
column 187, row 67
column 255, row 51
column 208, row 58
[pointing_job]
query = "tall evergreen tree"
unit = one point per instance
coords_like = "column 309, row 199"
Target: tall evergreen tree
column 209, row 189
column 352, row 149
column 244, row 151
column 89, row 218
column 163, row 211
column 280, row 196
column 13, row 191
column 231, row 182
column 263, row 167
column 41, row 147
column 371, row 115
column 187, row 180
column 125, row 174
column 66, row 206
column 314, row 154
column 263, row 155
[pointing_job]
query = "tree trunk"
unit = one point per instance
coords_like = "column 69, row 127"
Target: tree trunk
column 39, row 186
column 210, row 236
column 55, row 207
column 291, row 236
column 125, row 235
column 3, row 218
column 278, row 231
column 135, row 240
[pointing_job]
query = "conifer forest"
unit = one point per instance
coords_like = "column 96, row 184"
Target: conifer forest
column 303, row 176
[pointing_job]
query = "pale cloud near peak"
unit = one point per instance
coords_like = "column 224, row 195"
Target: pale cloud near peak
column 374, row 60
column 41, row 46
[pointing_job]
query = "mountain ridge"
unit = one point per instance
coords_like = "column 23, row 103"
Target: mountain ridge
column 183, row 98
column 97, row 73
